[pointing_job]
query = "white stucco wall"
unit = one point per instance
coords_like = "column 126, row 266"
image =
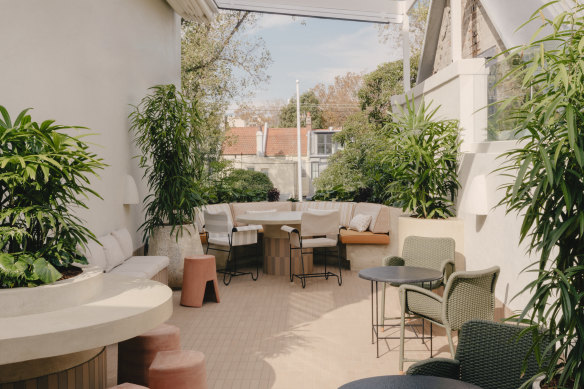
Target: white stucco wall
column 84, row 62
column 461, row 91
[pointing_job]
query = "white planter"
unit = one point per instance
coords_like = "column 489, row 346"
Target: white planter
column 435, row 228
column 163, row 243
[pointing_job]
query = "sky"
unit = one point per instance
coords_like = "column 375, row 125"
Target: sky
column 316, row 50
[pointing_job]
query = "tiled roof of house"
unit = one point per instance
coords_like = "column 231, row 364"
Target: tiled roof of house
column 281, row 141
column 241, row 140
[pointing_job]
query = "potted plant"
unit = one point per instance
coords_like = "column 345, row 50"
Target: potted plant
column 422, row 152
column 44, row 174
column 547, row 189
column 168, row 134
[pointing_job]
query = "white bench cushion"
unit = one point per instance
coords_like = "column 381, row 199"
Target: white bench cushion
column 95, row 255
column 134, row 269
column 159, row 262
column 113, row 252
column 125, row 241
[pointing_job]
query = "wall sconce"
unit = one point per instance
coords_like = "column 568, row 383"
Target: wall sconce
column 130, row 191
column 477, row 199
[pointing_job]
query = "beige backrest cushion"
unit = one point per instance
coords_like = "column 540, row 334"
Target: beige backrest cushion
column 368, row 209
column 345, row 209
column 381, row 225
column 240, row 209
column 217, row 223
column 114, row 255
column 220, row 208
column 125, row 241
column 95, row 255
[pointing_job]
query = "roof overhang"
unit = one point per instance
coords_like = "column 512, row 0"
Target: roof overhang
column 372, row 11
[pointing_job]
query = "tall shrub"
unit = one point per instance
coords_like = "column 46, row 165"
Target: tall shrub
column 44, row 174
column 167, row 128
column 547, row 187
column 423, row 152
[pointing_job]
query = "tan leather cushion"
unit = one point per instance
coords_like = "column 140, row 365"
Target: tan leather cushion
column 366, row 237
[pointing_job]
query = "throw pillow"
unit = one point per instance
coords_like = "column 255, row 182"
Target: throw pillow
column 360, row 222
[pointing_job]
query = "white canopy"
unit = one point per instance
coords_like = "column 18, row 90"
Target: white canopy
column 375, row 11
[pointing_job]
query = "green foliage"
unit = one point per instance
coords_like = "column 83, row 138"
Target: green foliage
column 168, row 134
column 547, row 187
column 423, row 154
column 240, row 186
column 274, row 194
column 44, row 173
column 380, row 85
column 308, row 103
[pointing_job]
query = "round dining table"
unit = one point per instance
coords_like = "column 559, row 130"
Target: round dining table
column 277, row 242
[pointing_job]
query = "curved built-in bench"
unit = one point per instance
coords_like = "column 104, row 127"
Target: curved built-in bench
column 363, row 249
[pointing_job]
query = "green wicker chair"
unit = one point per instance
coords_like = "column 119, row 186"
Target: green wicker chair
column 419, row 251
column 468, row 295
column 489, row 355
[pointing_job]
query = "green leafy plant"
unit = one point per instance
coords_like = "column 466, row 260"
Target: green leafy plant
column 546, row 186
column 44, row 173
column 167, row 128
column 239, row 185
column 274, row 194
column 423, row 153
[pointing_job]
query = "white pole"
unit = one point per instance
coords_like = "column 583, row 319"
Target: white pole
column 456, row 29
column 406, row 51
column 298, row 140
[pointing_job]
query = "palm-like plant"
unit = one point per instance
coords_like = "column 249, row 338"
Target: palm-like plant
column 43, row 174
column 168, row 133
column 423, row 153
column 547, row 186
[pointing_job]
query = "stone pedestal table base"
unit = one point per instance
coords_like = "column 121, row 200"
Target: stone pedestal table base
column 277, row 253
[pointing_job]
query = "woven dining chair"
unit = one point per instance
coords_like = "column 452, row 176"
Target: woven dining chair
column 318, row 230
column 468, row 295
column 489, row 355
column 222, row 236
column 421, row 251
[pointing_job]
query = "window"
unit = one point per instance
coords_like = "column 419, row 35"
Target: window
column 316, row 168
column 324, row 144
column 250, row 168
column 265, row 171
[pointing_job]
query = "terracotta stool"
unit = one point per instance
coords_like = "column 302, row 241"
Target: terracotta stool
column 127, row 385
column 135, row 355
column 199, row 280
column 184, row 369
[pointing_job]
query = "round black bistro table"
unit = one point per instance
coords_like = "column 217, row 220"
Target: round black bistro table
column 396, row 275
column 408, row 382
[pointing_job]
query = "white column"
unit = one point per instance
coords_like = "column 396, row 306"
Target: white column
column 298, row 143
column 405, row 31
column 456, row 29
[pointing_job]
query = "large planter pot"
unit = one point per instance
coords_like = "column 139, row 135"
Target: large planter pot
column 435, row 228
column 56, row 334
column 176, row 247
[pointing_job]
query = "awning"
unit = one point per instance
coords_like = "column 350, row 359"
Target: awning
column 375, row 11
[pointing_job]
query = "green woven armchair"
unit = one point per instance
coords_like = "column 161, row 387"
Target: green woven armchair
column 468, row 295
column 420, row 251
column 489, row 355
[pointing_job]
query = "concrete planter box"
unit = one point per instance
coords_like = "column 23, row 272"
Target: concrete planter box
column 435, row 228
column 163, row 243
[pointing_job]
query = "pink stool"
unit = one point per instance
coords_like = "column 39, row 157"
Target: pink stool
column 199, row 280
column 127, row 385
column 135, row 355
column 184, row 369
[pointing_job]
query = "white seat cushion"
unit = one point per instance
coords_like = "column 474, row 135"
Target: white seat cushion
column 219, row 240
column 130, row 273
column 148, row 269
column 125, row 241
column 159, row 261
column 319, row 242
column 114, row 255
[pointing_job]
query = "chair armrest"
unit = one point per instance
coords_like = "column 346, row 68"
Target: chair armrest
column 393, row 261
column 289, row 229
column 447, row 269
column 251, row 227
column 437, row 367
column 407, row 289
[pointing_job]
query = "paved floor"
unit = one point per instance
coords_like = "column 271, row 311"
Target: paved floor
column 273, row 334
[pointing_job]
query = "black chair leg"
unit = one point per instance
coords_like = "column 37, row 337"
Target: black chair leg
column 340, row 277
column 228, row 271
